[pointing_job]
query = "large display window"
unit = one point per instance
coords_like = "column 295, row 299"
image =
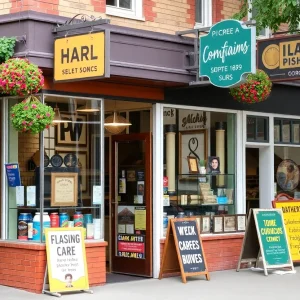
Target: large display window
column 62, row 182
column 199, row 165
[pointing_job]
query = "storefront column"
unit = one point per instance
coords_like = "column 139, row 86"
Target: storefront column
column 266, row 171
column 157, row 184
column 3, row 178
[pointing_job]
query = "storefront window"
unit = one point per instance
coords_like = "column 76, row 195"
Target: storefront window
column 286, row 131
column 199, row 163
column 61, row 186
column 257, row 129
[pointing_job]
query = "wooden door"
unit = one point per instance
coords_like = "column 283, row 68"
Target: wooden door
column 131, row 205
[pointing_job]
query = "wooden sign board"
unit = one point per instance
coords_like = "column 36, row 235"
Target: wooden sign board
column 183, row 251
column 266, row 236
column 291, row 216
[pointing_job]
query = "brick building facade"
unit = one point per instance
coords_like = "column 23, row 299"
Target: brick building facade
column 167, row 16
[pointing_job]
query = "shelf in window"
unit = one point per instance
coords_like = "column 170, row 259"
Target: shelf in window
column 57, row 208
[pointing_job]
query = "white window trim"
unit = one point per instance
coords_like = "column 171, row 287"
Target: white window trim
column 135, row 13
column 206, row 15
column 267, row 29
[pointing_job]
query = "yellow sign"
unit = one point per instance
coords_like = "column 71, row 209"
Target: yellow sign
column 66, row 259
column 79, row 57
column 140, row 218
column 291, row 215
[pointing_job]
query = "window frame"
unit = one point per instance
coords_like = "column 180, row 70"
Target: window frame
column 135, row 13
column 206, row 13
column 267, row 30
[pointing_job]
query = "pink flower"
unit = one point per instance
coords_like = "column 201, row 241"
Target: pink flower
column 48, row 114
column 38, row 116
column 24, row 122
column 12, row 115
column 33, row 106
column 25, row 107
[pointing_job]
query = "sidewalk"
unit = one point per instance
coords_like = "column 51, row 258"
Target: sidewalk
column 245, row 285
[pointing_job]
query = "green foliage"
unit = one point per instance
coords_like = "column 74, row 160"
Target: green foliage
column 31, row 115
column 256, row 89
column 7, row 46
column 18, row 77
column 272, row 13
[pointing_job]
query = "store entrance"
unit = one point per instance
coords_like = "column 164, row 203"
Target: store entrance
column 131, row 204
column 252, row 178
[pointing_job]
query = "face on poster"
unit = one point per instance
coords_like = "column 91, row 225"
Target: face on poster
column 66, row 259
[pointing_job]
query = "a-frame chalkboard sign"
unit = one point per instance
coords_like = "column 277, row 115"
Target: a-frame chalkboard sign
column 266, row 237
column 183, row 251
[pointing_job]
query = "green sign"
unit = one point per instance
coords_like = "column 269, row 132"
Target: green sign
column 227, row 53
column 273, row 239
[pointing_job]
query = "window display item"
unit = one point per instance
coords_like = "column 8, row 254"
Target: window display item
column 37, row 226
column 63, row 219
column 46, row 161
column 70, row 160
column 213, row 166
column 87, row 219
column 54, row 220
column 90, row 231
column 180, row 215
column 78, row 219
column 30, row 230
column 97, row 229
column 165, row 224
column 23, row 220
column 287, row 175
column 170, row 157
column 70, row 224
column 56, row 160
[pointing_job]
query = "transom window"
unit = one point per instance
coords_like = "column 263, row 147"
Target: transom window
column 203, row 16
column 120, row 3
column 132, row 9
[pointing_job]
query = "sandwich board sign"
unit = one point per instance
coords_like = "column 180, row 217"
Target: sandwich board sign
column 66, row 260
column 291, row 214
column 265, row 236
column 183, row 251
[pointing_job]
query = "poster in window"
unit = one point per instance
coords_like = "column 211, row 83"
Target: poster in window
column 286, row 133
column 296, row 133
column 276, row 133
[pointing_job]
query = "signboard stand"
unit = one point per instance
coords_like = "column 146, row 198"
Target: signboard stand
column 66, row 269
column 55, row 294
column 183, row 251
column 266, row 237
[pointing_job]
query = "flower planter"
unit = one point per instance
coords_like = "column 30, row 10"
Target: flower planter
column 257, row 88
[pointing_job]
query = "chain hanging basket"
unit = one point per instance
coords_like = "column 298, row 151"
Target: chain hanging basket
column 257, row 88
column 31, row 115
column 19, row 77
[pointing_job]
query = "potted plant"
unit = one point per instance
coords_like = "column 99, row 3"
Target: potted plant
column 31, row 115
column 256, row 89
column 19, row 77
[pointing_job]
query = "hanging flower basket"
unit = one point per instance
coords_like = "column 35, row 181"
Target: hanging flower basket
column 19, row 77
column 256, row 89
column 31, row 115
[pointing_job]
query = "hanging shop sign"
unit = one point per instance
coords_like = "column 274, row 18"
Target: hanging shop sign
column 66, row 259
column 266, row 236
column 183, row 251
column 227, row 53
column 291, row 215
column 84, row 56
column 280, row 57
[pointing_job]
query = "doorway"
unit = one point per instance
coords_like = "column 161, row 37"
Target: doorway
column 252, row 178
column 131, row 205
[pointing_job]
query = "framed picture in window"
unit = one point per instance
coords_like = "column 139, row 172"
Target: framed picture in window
column 286, row 133
column 191, row 144
column 193, row 165
column 218, row 224
column 241, row 222
column 276, row 133
column 205, row 224
column 73, row 132
column 229, row 223
column 296, row 133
